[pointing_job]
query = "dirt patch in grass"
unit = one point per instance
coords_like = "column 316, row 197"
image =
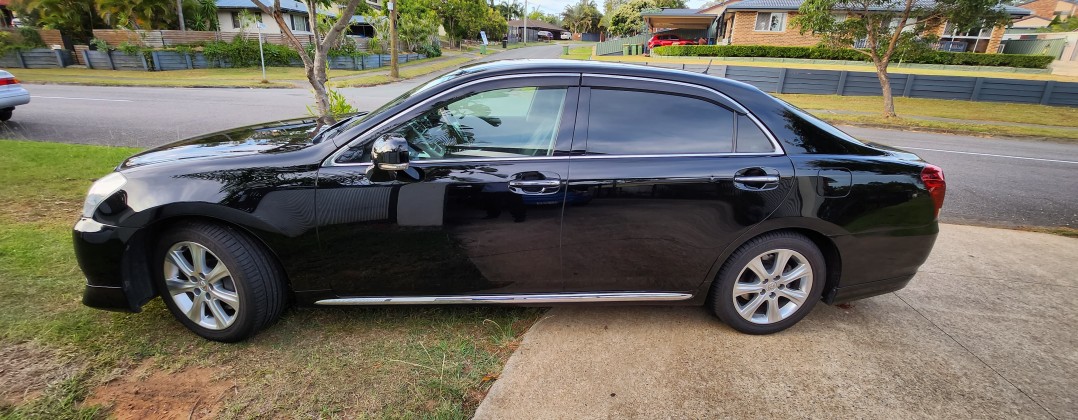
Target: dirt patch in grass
column 149, row 393
column 27, row 369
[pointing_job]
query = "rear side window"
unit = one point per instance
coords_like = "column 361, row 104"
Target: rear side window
column 625, row 122
column 750, row 139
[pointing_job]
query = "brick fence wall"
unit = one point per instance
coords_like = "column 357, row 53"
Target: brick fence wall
column 169, row 38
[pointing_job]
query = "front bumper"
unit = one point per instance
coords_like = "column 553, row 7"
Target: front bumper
column 100, row 249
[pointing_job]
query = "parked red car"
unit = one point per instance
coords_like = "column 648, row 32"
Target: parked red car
column 664, row 40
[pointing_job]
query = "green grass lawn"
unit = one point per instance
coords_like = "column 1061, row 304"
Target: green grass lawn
column 579, row 53
column 347, row 362
column 984, row 118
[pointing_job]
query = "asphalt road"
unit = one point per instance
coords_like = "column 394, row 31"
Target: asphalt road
column 991, row 181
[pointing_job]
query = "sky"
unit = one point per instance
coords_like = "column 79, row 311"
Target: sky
column 556, row 6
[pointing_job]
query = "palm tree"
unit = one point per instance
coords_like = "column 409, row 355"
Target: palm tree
column 137, row 14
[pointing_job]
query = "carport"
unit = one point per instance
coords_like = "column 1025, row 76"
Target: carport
column 686, row 23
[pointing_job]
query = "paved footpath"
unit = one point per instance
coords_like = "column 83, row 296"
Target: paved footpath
column 985, row 330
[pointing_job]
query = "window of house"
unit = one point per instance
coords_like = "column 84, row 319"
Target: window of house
column 625, row 122
column 299, row 23
column 235, row 20
column 770, row 22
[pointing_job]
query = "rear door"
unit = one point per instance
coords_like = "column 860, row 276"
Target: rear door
column 669, row 175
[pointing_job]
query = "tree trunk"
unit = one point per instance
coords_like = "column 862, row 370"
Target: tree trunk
column 316, row 74
column 885, row 85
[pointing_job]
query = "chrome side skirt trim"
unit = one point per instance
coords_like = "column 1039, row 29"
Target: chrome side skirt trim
column 519, row 298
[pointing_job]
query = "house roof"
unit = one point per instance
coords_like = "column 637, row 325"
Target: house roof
column 290, row 6
column 673, row 12
column 796, row 4
column 537, row 24
column 1033, row 1
column 678, row 18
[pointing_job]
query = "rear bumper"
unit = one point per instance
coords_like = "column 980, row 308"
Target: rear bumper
column 99, row 249
column 10, row 98
column 864, row 290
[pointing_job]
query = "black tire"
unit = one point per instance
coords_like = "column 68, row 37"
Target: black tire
column 256, row 280
column 5, row 114
column 736, row 271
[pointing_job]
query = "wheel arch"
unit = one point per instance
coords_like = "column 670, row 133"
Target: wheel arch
column 823, row 242
column 137, row 266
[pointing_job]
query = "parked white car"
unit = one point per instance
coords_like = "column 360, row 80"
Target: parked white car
column 12, row 94
column 566, row 35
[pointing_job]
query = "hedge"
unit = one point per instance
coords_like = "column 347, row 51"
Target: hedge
column 820, row 53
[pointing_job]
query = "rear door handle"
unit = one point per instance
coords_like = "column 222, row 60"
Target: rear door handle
column 757, row 179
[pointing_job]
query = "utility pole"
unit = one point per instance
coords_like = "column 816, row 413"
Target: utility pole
column 179, row 11
column 525, row 40
column 394, row 72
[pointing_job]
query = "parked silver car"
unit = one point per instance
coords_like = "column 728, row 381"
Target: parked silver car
column 12, row 94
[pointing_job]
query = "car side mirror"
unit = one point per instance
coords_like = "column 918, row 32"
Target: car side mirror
column 390, row 153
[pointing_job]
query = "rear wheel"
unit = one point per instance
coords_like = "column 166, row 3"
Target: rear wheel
column 769, row 283
column 5, row 114
column 218, row 282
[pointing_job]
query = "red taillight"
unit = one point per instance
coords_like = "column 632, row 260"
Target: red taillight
column 9, row 81
column 932, row 176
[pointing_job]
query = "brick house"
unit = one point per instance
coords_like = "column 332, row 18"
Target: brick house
column 768, row 22
column 1049, row 9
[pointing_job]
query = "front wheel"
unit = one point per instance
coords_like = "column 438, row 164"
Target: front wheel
column 218, row 282
column 769, row 283
column 5, row 114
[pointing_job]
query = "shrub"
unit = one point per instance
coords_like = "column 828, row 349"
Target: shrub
column 244, row 53
column 31, row 38
column 430, row 50
column 913, row 56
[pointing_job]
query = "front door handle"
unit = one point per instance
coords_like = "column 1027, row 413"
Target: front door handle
column 535, row 183
column 757, row 178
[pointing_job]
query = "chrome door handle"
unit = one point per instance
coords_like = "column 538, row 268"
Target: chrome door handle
column 757, row 178
column 535, row 183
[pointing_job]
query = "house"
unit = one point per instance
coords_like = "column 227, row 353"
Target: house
column 769, row 22
column 516, row 30
column 295, row 16
column 1049, row 9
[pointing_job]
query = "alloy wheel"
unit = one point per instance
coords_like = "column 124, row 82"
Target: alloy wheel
column 201, row 286
column 773, row 286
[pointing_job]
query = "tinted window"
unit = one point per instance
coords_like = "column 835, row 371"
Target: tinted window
column 750, row 139
column 513, row 122
column 633, row 122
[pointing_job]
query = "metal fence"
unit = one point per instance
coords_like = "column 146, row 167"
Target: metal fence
column 40, row 58
column 1052, row 47
column 853, row 83
column 614, row 46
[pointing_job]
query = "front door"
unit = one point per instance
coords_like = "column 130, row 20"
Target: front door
column 670, row 175
column 478, row 211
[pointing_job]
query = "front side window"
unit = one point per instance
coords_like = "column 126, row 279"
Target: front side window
column 502, row 123
column 771, row 22
column 626, row 122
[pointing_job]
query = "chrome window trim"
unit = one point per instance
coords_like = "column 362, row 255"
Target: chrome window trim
column 574, row 157
column 331, row 160
column 509, row 298
column 777, row 147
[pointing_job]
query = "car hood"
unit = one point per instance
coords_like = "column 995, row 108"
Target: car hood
column 277, row 137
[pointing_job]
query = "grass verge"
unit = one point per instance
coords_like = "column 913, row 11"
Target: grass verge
column 977, row 118
column 353, row 362
column 405, row 73
column 238, row 77
column 578, row 53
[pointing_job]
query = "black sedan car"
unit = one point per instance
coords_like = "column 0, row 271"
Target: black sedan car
column 516, row 182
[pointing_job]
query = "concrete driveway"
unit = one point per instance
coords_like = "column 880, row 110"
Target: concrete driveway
column 988, row 329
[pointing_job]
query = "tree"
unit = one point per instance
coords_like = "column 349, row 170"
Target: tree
column 138, row 14
column 626, row 20
column 461, row 18
column 884, row 24
column 74, row 17
column 315, row 62
column 550, row 18
column 581, row 17
column 514, row 10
